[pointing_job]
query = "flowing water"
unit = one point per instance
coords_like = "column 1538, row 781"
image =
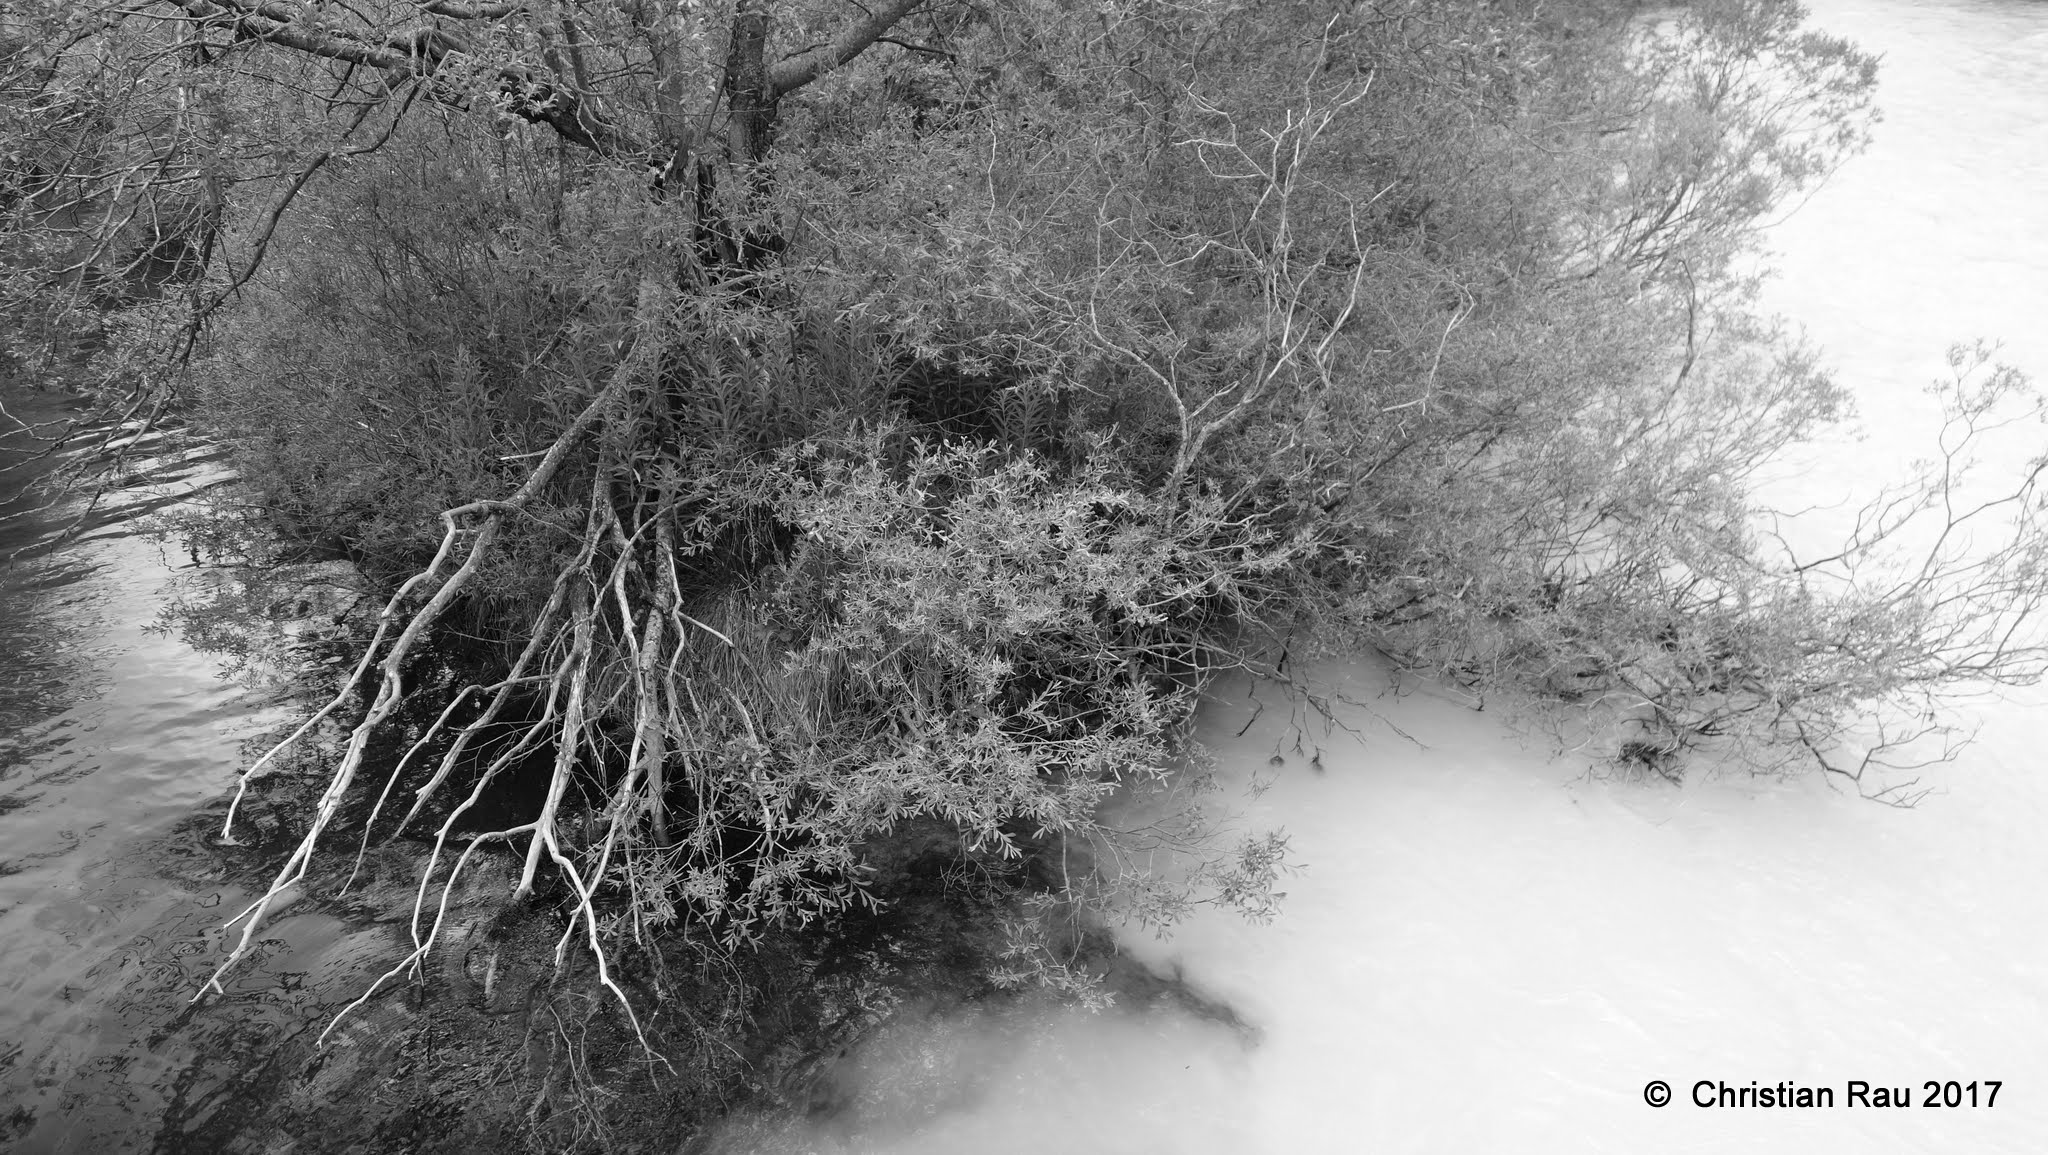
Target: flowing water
column 117, row 743
column 1490, row 949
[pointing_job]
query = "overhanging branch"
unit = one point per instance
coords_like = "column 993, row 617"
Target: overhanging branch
column 530, row 94
column 470, row 11
column 792, row 74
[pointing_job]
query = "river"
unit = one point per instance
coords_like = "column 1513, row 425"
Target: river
column 1489, row 950
column 118, row 743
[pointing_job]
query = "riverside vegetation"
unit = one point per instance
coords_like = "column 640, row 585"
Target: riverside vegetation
column 811, row 457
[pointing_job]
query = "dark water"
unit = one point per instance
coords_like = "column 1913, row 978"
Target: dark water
column 116, row 746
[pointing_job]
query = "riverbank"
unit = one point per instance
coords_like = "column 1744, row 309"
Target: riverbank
column 115, row 921
column 1494, row 946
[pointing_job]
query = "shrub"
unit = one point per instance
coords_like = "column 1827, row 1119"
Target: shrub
column 859, row 438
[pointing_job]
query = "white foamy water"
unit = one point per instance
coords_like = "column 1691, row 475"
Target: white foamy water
column 1492, row 952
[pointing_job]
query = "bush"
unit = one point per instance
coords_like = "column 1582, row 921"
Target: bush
column 909, row 445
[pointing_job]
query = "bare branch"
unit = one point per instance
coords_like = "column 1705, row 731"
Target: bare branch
column 470, row 11
column 789, row 75
column 530, row 94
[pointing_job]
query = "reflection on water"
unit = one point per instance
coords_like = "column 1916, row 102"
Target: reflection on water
column 995, row 1082
column 113, row 740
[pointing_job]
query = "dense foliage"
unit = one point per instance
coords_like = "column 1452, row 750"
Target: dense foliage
column 797, row 420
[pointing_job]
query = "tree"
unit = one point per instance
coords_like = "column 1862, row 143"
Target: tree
column 789, row 423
